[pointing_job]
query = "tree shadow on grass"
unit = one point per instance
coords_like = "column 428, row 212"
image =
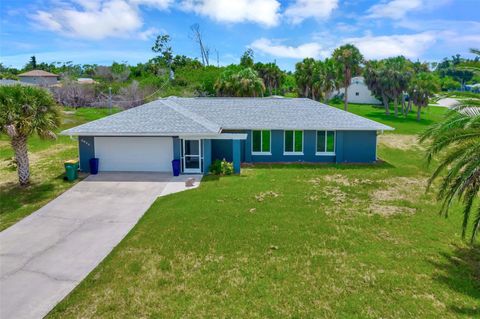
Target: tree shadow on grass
column 14, row 196
column 460, row 271
column 400, row 119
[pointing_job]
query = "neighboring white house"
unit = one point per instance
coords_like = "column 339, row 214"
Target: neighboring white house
column 39, row 77
column 86, row 81
column 358, row 92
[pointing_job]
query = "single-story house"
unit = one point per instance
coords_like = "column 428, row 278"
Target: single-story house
column 39, row 77
column 358, row 92
column 8, row 82
column 475, row 88
column 198, row 131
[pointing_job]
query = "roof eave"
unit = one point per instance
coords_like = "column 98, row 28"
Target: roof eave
column 386, row 128
column 166, row 134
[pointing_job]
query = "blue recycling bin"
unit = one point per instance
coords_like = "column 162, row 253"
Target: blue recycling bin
column 94, row 166
column 176, row 167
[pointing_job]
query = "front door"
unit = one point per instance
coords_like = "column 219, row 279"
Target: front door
column 192, row 156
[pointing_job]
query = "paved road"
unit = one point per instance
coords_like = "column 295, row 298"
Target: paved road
column 46, row 255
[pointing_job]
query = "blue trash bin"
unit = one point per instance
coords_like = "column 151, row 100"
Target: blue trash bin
column 176, row 167
column 94, row 166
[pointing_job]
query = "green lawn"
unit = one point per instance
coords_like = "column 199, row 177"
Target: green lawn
column 345, row 241
column 46, row 159
column 402, row 125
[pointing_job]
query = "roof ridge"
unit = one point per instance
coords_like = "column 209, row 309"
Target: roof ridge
column 38, row 73
column 214, row 127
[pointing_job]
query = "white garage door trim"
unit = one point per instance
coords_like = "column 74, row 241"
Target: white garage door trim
column 147, row 154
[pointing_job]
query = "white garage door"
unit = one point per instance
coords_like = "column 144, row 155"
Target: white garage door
column 148, row 154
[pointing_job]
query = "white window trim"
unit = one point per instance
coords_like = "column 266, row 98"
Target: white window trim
column 303, row 143
column 334, row 143
column 261, row 143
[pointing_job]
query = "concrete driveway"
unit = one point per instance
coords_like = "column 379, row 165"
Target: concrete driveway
column 45, row 255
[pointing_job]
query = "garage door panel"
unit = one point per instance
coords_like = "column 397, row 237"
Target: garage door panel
column 149, row 154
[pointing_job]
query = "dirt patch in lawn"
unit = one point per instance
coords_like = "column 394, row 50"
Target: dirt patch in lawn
column 390, row 210
column 335, row 194
column 400, row 188
column 399, row 141
column 339, row 179
column 264, row 195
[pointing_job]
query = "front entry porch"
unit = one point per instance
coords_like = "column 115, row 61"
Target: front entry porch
column 196, row 154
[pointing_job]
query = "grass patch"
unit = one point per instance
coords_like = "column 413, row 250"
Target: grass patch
column 46, row 165
column 291, row 241
column 402, row 125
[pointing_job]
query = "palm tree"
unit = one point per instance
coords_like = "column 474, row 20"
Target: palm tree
column 249, row 83
column 349, row 57
column 398, row 74
column 304, row 73
column 24, row 111
column 422, row 87
column 236, row 81
column 388, row 80
column 271, row 75
column 318, row 80
column 456, row 140
column 333, row 77
column 377, row 81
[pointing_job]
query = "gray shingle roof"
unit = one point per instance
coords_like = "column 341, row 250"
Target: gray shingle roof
column 174, row 116
column 149, row 119
column 276, row 113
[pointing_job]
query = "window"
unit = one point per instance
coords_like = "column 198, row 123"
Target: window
column 325, row 142
column 357, row 93
column 261, row 142
column 293, row 143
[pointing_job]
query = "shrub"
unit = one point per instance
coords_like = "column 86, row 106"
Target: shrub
column 221, row 167
column 336, row 100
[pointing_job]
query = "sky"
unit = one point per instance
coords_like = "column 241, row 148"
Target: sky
column 103, row 31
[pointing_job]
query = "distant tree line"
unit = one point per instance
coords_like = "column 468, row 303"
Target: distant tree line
column 395, row 81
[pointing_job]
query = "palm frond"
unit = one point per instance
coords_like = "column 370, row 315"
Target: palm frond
column 456, row 142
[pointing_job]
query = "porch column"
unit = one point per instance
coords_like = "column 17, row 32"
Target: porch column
column 207, row 155
column 236, row 156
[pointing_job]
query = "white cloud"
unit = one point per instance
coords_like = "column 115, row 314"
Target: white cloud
column 263, row 12
column 311, row 49
column 148, row 34
column 395, row 9
column 96, row 20
column 47, row 20
column 158, row 4
column 379, row 47
column 398, row 9
column 304, row 9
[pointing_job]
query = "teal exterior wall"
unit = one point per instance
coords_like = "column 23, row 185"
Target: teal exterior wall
column 359, row 147
column 277, row 146
column 86, row 151
column 222, row 149
column 350, row 147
